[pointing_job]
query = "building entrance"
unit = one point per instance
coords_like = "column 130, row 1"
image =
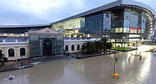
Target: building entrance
column 47, row 47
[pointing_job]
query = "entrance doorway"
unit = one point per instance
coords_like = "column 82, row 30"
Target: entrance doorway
column 1, row 52
column 47, row 47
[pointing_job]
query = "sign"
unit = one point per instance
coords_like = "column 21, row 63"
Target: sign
column 133, row 28
column 137, row 28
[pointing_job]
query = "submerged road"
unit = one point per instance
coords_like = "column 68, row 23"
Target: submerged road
column 95, row 70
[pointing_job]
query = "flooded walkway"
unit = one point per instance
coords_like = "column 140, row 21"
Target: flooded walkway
column 95, row 70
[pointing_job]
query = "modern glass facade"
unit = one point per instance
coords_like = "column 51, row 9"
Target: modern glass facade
column 107, row 16
column 70, row 27
column 93, row 24
column 69, row 24
column 121, row 21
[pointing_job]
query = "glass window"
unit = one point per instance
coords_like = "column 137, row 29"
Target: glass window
column 11, row 52
column 118, row 30
column 66, row 48
column 10, row 39
column 78, row 47
column 72, row 47
column 22, row 52
column 0, row 52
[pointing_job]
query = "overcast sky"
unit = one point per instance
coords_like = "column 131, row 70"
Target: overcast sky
column 21, row 12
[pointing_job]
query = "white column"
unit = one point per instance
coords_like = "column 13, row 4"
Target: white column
column 69, row 48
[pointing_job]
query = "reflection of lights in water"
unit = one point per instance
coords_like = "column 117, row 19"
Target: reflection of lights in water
column 124, row 60
column 145, row 69
column 144, row 48
column 131, row 56
column 154, row 54
column 112, row 55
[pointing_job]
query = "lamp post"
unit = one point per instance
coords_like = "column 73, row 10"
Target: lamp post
column 115, row 59
column 114, row 63
column 115, row 75
column 124, row 42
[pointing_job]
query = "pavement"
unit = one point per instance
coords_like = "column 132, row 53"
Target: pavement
column 48, row 58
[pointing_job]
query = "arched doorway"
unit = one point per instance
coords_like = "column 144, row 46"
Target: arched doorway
column 47, row 47
column 66, row 48
column 11, row 52
column 1, row 53
column 72, row 47
column 78, row 47
column 22, row 52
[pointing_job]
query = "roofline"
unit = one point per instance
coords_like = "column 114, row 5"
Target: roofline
column 105, row 7
column 24, row 26
column 94, row 10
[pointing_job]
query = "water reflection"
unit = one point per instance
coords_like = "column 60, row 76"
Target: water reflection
column 96, row 70
column 146, row 67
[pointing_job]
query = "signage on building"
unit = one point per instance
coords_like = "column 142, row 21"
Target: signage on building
column 133, row 28
column 137, row 28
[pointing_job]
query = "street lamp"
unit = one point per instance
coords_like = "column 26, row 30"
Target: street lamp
column 115, row 75
column 124, row 42
column 114, row 63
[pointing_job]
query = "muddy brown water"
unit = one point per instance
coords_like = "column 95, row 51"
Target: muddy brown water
column 95, row 70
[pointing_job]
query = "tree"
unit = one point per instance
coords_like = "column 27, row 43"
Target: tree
column 109, row 46
column 104, row 44
column 87, row 47
column 3, row 59
column 96, row 46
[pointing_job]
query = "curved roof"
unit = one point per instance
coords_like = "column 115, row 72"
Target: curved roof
column 110, row 5
column 25, row 26
column 133, row 2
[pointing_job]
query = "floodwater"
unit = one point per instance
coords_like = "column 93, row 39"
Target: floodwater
column 95, row 70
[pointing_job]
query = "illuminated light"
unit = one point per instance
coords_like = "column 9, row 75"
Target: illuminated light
column 137, row 28
column 132, row 28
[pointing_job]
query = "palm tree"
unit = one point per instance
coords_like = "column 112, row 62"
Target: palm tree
column 104, row 44
column 97, row 45
column 88, row 47
column 109, row 46
column 3, row 59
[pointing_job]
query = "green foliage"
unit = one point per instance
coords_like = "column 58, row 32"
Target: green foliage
column 104, row 40
column 109, row 45
column 96, row 46
column 148, row 43
column 3, row 59
column 88, row 47
column 121, row 48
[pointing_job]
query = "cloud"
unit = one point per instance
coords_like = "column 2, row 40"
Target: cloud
column 41, row 8
column 46, row 11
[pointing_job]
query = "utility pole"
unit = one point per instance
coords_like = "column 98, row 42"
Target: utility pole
column 115, row 58
column 115, row 75
column 114, row 63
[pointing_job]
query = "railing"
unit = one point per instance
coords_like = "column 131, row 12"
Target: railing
column 13, row 40
column 80, row 39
